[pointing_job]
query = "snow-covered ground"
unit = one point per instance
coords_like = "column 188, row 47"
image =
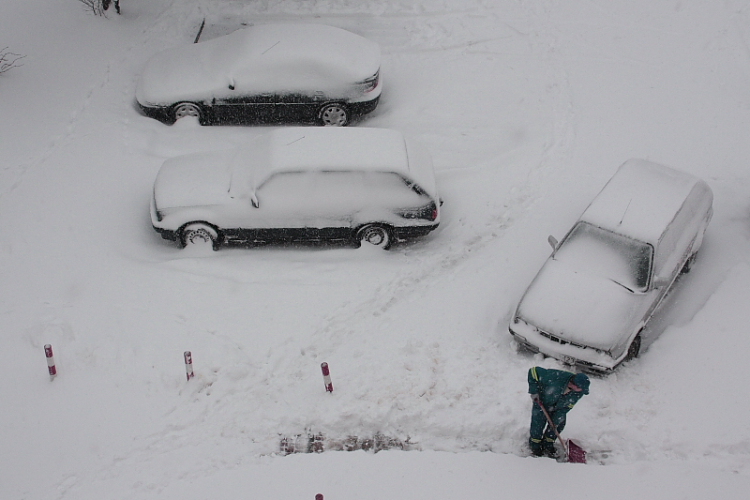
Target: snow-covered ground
column 527, row 106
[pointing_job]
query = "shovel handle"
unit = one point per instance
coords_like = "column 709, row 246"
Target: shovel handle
column 554, row 428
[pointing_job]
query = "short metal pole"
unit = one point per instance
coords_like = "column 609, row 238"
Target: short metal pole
column 50, row 361
column 326, row 377
column 189, row 365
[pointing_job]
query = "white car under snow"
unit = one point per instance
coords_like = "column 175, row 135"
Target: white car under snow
column 594, row 295
column 300, row 184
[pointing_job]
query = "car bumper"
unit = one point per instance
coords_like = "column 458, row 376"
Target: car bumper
column 160, row 113
column 363, row 107
column 586, row 358
column 408, row 232
column 167, row 234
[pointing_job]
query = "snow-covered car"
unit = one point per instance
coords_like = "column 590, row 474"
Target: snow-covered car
column 300, row 184
column 265, row 74
column 594, row 295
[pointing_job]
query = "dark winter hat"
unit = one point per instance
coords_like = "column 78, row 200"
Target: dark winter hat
column 582, row 381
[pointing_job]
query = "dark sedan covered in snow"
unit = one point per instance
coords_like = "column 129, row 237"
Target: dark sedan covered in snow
column 299, row 184
column 265, row 74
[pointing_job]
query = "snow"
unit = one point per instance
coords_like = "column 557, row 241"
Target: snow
column 202, row 178
column 262, row 58
column 581, row 307
column 526, row 108
column 298, row 177
column 341, row 148
column 643, row 198
column 606, row 254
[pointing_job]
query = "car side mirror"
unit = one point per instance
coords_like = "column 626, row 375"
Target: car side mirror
column 552, row 241
column 254, row 200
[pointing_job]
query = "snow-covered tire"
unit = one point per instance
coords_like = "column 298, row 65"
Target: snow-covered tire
column 634, row 349
column 376, row 235
column 198, row 234
column 334, row 115
column 183, row 109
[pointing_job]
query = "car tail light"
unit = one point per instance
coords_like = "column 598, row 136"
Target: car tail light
column 427, row 212
column 371, row 83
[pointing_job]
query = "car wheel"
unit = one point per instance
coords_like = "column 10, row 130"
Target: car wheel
column 375, row 234
column 198, row 234
column 184, row 109
column 634, row 349
column 334, row 115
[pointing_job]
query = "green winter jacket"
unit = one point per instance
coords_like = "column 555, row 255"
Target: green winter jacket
column 551, row 386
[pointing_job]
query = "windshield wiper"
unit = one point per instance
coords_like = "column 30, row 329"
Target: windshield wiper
column 625, row 287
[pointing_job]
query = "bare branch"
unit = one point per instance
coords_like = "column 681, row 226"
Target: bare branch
column 95, row 6
column 9, row 60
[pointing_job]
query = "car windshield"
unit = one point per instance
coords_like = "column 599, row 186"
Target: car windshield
column 596, row 251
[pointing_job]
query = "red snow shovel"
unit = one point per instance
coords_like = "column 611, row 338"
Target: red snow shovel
column 573, row 453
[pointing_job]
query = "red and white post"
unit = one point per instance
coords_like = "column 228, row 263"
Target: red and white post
column 50, row 361
column 326, row 377
column 189, row 365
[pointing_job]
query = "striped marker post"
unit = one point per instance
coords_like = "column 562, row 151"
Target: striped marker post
column 189, row 365
column 326, row 377
column 50, row 361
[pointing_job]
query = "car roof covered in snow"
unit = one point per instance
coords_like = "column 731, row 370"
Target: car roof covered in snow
column 262, row 58
column 328, row 46
column 308, row 149
column 641, row 199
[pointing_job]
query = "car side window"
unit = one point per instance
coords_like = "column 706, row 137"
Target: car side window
column 675, row 240
column 317, row 193
column 325, row 192
column 286, row 191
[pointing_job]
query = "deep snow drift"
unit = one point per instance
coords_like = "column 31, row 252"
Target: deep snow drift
column 527, row 108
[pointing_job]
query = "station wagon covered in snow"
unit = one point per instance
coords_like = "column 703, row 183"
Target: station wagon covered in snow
column 594, row 295
column 265, row 74
column 300, row 184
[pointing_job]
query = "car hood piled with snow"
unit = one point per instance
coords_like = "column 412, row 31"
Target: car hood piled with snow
column 580, row 308
column 264, row 58
column 194, row 179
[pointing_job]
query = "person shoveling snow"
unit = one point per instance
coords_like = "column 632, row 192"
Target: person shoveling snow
column 554, row 393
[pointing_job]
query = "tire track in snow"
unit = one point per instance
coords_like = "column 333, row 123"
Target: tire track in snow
column 432, row 267
column 558, row 146
column 225, row 414
column 163, row 23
